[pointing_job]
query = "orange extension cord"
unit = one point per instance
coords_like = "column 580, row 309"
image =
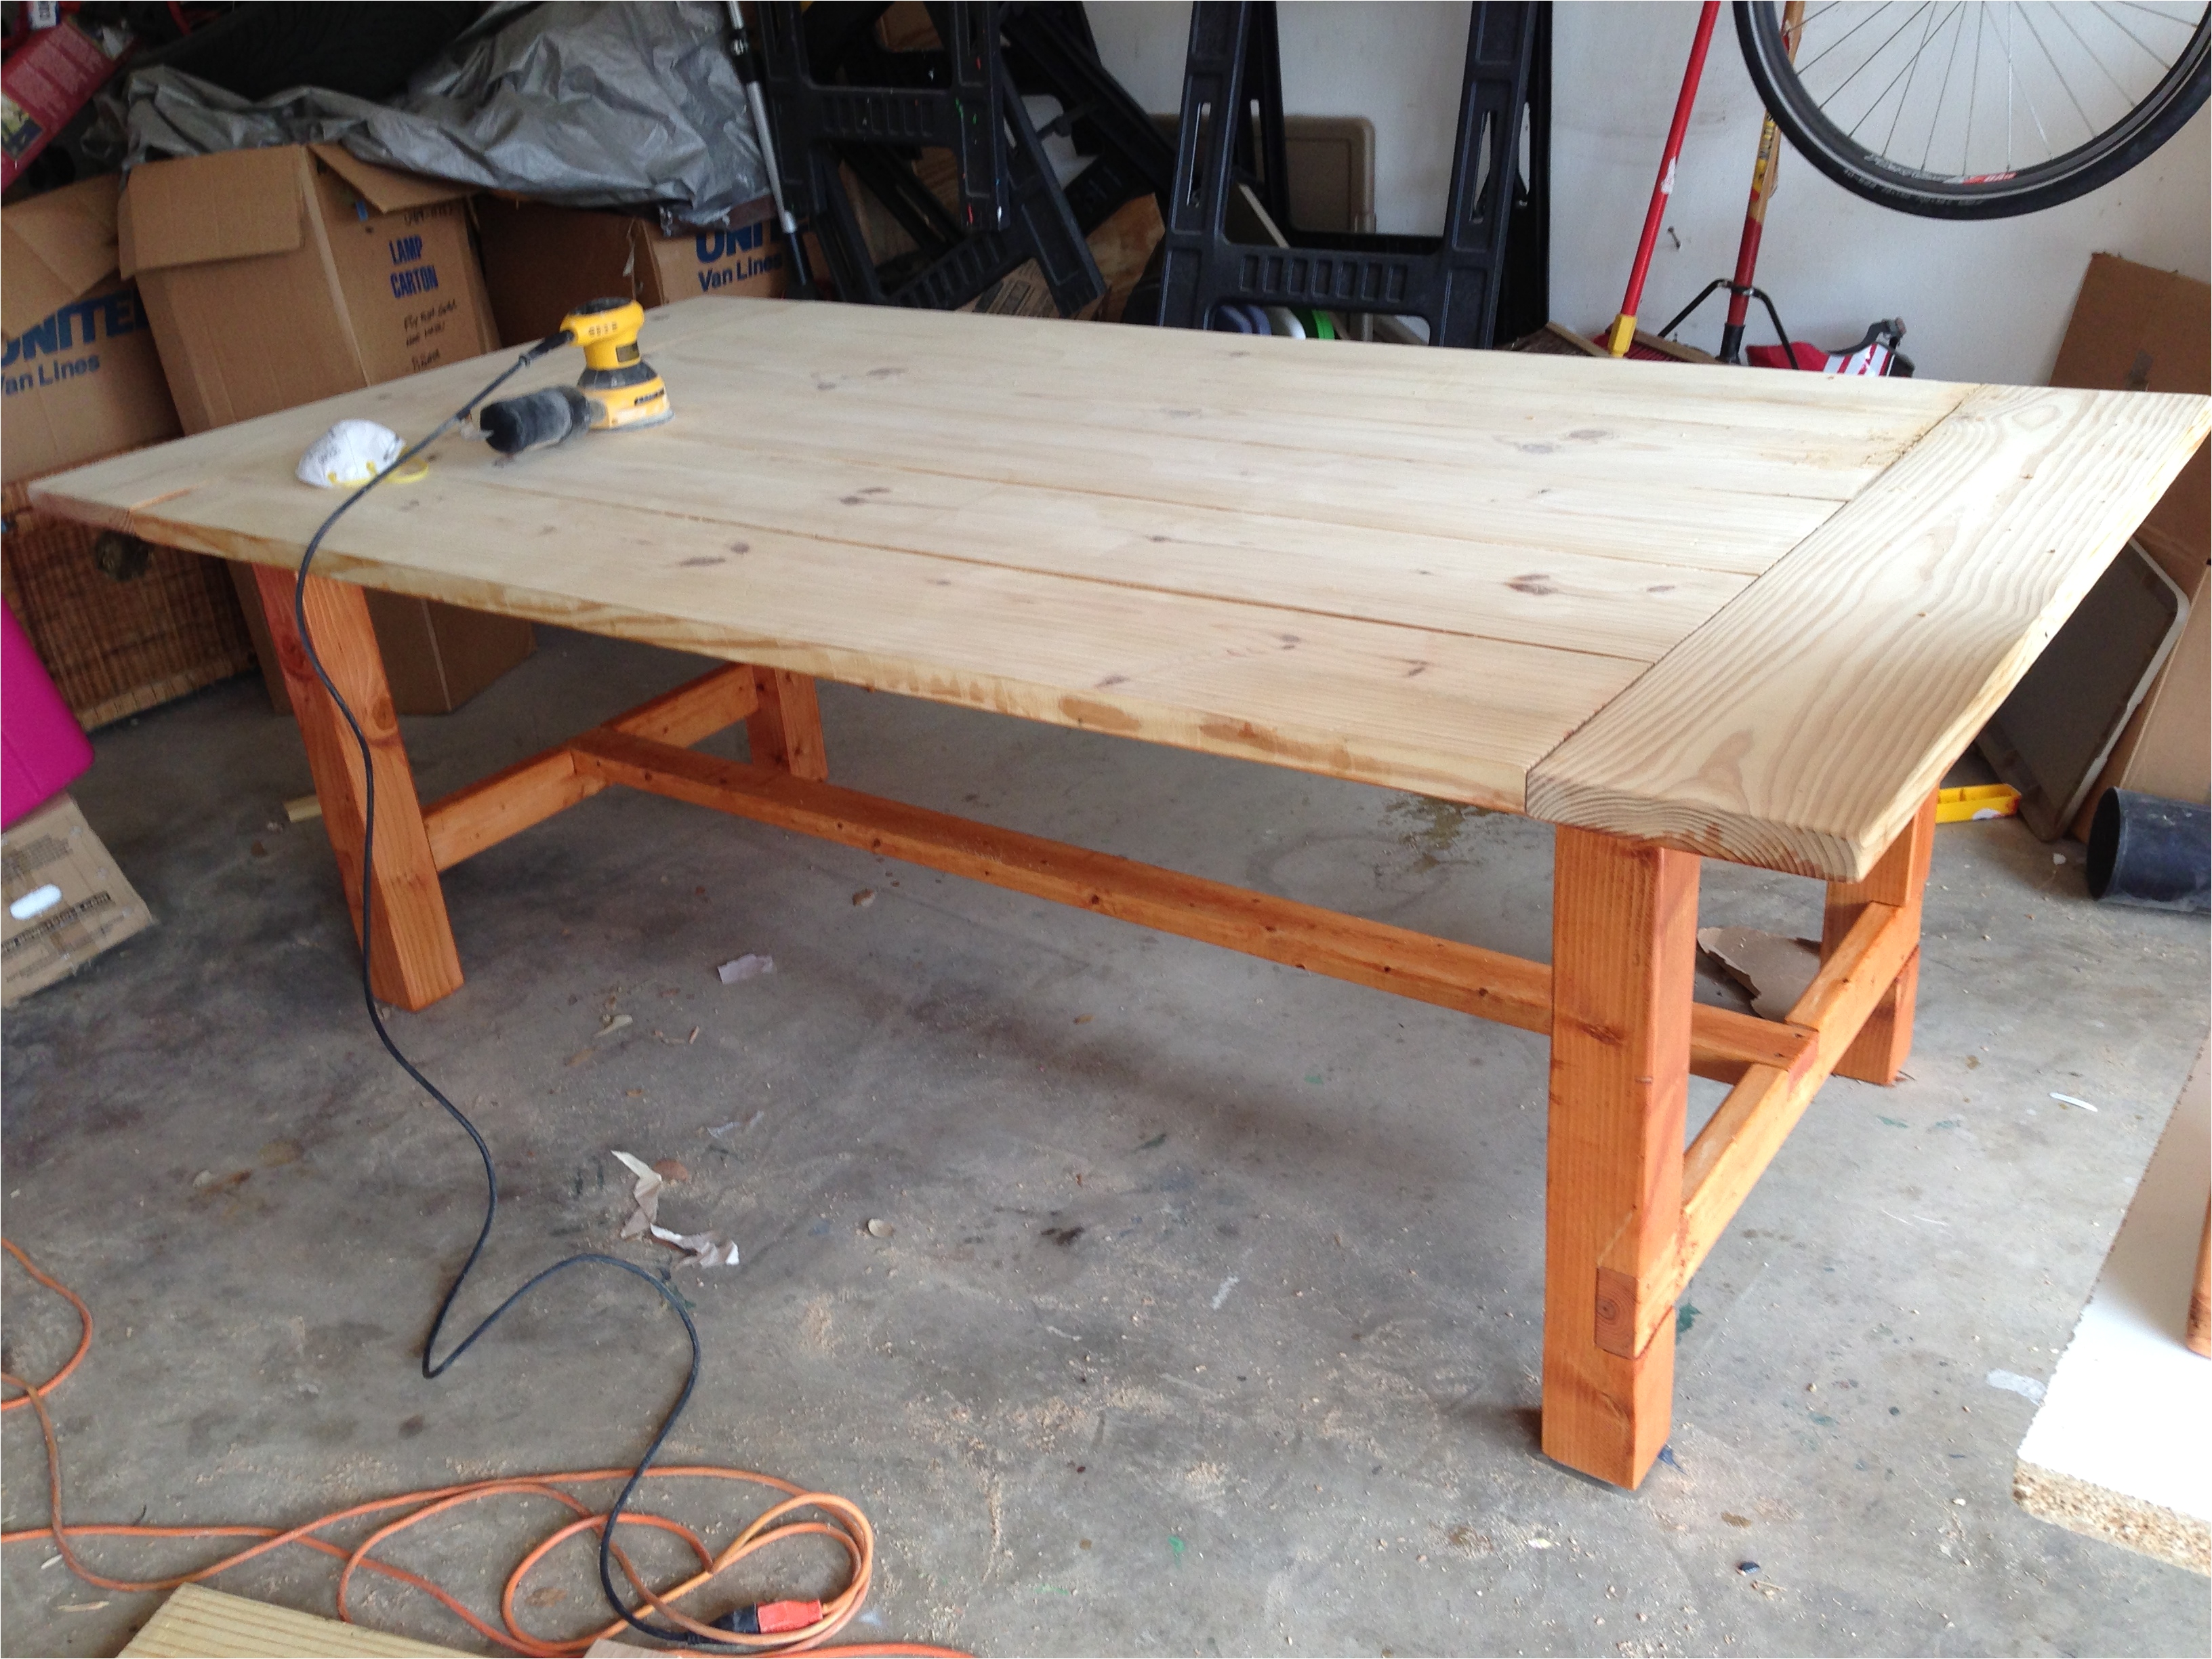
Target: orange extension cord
column 846, row 1524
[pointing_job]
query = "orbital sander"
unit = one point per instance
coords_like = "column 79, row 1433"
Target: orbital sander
column 617, row 390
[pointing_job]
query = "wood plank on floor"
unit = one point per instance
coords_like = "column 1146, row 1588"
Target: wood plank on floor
column 199, row 1623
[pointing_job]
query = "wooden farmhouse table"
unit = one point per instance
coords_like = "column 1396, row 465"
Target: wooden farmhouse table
column 1680, row 613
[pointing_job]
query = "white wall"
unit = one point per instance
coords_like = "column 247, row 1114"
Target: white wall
column 1983, row 301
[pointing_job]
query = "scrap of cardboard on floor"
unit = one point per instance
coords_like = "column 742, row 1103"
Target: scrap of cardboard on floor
column 1773, row 972
column 702, row 1249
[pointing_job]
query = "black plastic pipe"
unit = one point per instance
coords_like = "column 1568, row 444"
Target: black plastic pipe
column 2151, row 852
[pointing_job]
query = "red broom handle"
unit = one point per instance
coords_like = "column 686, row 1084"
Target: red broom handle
column 1624, row 326
column 1754, row 218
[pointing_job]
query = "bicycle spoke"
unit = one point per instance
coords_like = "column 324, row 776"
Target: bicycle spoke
column 2126, row 102
column 2121, row 25
column 2014, row 82
column 1869, row 62
column 1911, row 73
column 1973, row 96
column 2163, row 16
column 1958, row 15
column 1805, row 69
column 2088, row 126
column 1868, row 113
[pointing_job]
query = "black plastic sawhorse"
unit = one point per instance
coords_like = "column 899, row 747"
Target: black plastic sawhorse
column 1232, row 133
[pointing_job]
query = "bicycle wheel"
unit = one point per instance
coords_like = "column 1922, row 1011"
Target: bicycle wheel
column 1978, row 109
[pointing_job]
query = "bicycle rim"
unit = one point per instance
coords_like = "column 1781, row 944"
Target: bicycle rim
column 1961, row 110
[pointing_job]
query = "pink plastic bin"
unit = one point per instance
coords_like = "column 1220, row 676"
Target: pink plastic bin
column 42, row 747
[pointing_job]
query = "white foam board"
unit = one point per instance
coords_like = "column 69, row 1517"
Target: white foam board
column 2130, row 1407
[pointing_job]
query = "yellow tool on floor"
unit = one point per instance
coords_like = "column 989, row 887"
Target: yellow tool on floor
column 1976, row 800
column 618, row 388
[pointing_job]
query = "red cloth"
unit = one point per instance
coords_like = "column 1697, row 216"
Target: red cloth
column 1809, row 357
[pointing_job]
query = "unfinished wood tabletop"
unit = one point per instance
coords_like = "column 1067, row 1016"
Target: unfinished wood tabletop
column 1750, row 614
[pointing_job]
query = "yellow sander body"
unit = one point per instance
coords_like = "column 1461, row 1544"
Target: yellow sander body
column 624, row 390
column 618, row 390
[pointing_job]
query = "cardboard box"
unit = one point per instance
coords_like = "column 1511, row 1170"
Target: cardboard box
column 82, row 379
column 541, row 262
column 65, row 902
column 274, row 277
column 2137, row 329
column 2166, row 749
column 278, row 276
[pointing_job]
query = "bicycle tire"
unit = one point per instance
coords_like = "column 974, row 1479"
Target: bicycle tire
column 2178, row 96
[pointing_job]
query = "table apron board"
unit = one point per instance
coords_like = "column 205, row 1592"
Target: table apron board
column 1617, row 1310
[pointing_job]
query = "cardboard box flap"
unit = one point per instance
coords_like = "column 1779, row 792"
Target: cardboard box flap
column 55, row 248
column 234, row 205
column 2137, row 329
column 384, row 189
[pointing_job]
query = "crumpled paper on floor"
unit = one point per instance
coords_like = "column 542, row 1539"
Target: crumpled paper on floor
column 700, row 1250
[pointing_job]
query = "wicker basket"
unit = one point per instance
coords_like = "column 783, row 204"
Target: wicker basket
column 121, row 624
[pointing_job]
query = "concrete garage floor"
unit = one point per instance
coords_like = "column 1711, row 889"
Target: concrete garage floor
column 1210, row 1322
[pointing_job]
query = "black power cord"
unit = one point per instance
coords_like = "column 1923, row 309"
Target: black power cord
column 483, row 1151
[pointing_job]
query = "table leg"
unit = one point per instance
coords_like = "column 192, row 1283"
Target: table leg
column 414, row 962
column 786, row 729
column 1878, row 1052
column 1624, row 942
column 2199, row 1329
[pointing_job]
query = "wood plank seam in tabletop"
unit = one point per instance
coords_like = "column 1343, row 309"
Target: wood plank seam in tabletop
column 736, row 406
column 1668, row 516
column 1731, row 532
column 1539, row 433
column 1385, row 390
column 1804, row 725
column 1562, row 600
column 1377, row 702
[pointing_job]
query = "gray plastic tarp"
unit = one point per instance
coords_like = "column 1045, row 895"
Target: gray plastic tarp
column 588, row 105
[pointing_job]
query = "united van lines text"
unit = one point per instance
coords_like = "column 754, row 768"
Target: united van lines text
column 714, row 245
column 74, row 326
